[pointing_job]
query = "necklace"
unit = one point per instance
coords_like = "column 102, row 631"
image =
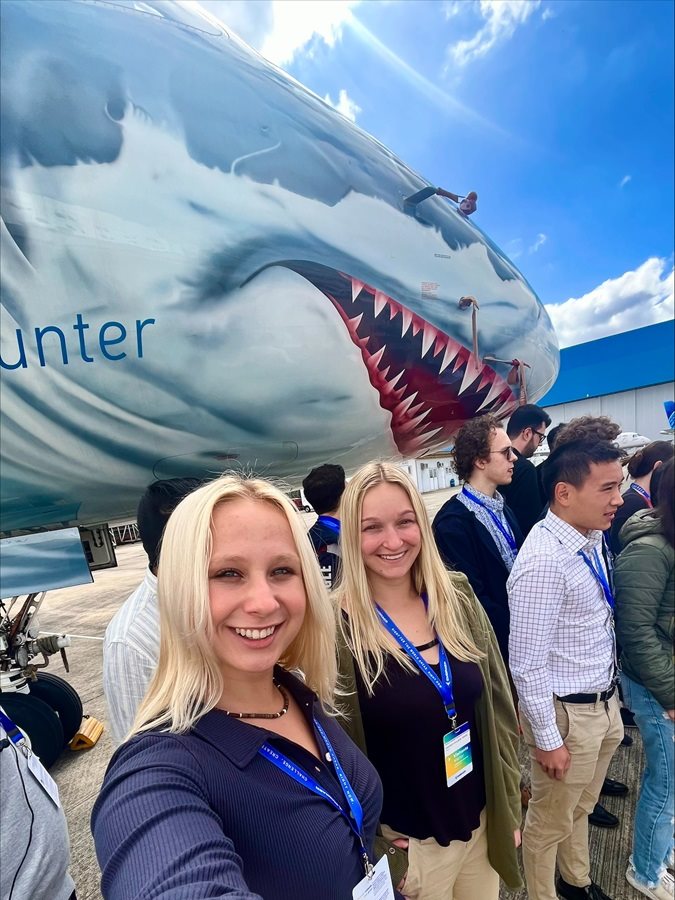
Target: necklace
column 277, row 715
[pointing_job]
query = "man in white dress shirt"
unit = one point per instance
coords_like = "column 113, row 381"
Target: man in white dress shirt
column 131, row 644
column 563, row 662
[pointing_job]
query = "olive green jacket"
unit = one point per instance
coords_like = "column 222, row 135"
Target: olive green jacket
column 644, row 584
column 498, row 732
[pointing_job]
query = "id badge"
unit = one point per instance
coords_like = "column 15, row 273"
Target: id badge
column 43, row 778
column 457, row 751
column 376, row 887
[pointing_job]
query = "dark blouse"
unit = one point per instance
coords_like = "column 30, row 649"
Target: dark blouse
column 404, row 723
column 204, row 815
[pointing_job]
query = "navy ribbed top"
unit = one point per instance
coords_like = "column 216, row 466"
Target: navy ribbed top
column 204, row 815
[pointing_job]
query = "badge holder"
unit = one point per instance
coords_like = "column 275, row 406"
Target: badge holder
column 457, row 752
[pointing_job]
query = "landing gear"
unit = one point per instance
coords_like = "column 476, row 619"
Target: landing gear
column 40, row 723
column 63, row 699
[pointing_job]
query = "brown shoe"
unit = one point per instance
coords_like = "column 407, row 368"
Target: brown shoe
column 525, row 796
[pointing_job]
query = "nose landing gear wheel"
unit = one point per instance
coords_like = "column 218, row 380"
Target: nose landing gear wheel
column 63, row 699
column 39, row 721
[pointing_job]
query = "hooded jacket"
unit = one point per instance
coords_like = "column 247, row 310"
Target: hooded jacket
column 644, row 584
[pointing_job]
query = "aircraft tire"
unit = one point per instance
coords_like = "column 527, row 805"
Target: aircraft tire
column 63, row 699
column 39, row 721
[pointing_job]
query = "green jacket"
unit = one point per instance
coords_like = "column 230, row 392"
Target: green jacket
column 644, row 584
column 498, row 731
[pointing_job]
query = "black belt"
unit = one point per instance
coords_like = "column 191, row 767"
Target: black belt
column 588, row 698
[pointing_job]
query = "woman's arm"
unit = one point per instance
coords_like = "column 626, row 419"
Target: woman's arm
column 155, row 833
column 641, row 574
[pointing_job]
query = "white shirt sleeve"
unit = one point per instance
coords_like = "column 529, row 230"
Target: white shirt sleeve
column 127, row 673
column 536, row 592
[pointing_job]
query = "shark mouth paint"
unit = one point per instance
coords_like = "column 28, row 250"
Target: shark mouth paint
column 429, row 382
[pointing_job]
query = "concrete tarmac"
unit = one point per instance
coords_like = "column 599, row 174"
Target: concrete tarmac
column 84, row 612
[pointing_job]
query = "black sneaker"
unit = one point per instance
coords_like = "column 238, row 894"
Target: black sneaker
column 602, row 818
column 627, row 741
column 612, row 788
column 570, row 892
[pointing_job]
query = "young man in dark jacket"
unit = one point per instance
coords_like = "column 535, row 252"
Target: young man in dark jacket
column 476, row 532
column 526, row 430
column 323, row 488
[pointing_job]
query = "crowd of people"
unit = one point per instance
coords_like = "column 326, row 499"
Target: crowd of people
column 339, row 714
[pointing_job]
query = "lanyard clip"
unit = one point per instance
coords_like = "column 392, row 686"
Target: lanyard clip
column 452, row 716
column 368, row 867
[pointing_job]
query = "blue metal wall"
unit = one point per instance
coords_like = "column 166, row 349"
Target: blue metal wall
column 622, row 362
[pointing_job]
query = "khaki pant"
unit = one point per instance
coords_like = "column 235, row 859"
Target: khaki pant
column 556, row 825
column 460, row 871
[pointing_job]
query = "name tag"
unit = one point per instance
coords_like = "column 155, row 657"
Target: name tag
column 457, row 751
column 43, row 778
column 377, row 886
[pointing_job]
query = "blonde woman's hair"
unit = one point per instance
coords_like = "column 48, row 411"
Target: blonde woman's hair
column 366, row 638
column 188, row 681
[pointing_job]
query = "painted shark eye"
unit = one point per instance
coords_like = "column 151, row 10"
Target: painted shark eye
column 115, row 109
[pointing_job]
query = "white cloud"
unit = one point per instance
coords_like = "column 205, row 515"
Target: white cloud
column 539, row 241
column 547, row 14
column 502, row 18
column 514, row 248
column 624, row 181
column 452, row 8
column 640, row 297
column 280, row 29
column 345, row 105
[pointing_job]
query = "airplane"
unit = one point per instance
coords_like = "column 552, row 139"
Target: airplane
column 205, row 266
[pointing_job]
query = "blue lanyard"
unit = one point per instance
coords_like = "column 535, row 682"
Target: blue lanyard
column 355, row 815
column 643, row 493
column 443, row 684
column 331, row 524
column 599, row 574
column 508, row 534
column 13, row 733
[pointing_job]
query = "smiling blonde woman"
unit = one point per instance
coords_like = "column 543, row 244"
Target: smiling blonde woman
column 428, row 696
column 203, row 799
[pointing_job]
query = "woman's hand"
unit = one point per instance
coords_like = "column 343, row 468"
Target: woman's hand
column 517, row 838
column 671, row 714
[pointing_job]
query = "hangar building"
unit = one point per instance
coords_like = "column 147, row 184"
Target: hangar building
column 625, row 376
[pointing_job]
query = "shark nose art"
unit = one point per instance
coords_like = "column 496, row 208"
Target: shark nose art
column 429, row 382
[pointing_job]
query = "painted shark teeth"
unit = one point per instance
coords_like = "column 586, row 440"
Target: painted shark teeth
column 429, row 336
column 357, row 287
column 496, row 388
column 380, row 302
column 421, row 411
column 451, row 352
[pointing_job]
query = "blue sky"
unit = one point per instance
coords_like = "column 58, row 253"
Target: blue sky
column 558, row 113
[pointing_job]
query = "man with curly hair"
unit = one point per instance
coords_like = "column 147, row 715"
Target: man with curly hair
column 475, row 531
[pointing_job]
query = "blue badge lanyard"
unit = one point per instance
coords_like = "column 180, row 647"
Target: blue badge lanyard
column 355, row 815
column 331, row 524
column 599, row 575
column 13, row 733
column 507, row 533
column 443, row 684
column 643, row 493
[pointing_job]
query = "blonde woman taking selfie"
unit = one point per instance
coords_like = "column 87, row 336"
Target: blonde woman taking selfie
column 235, row 782
column 429, row 697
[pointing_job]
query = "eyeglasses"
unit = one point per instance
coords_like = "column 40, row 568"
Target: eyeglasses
column 540, row 434
column 507, row 452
